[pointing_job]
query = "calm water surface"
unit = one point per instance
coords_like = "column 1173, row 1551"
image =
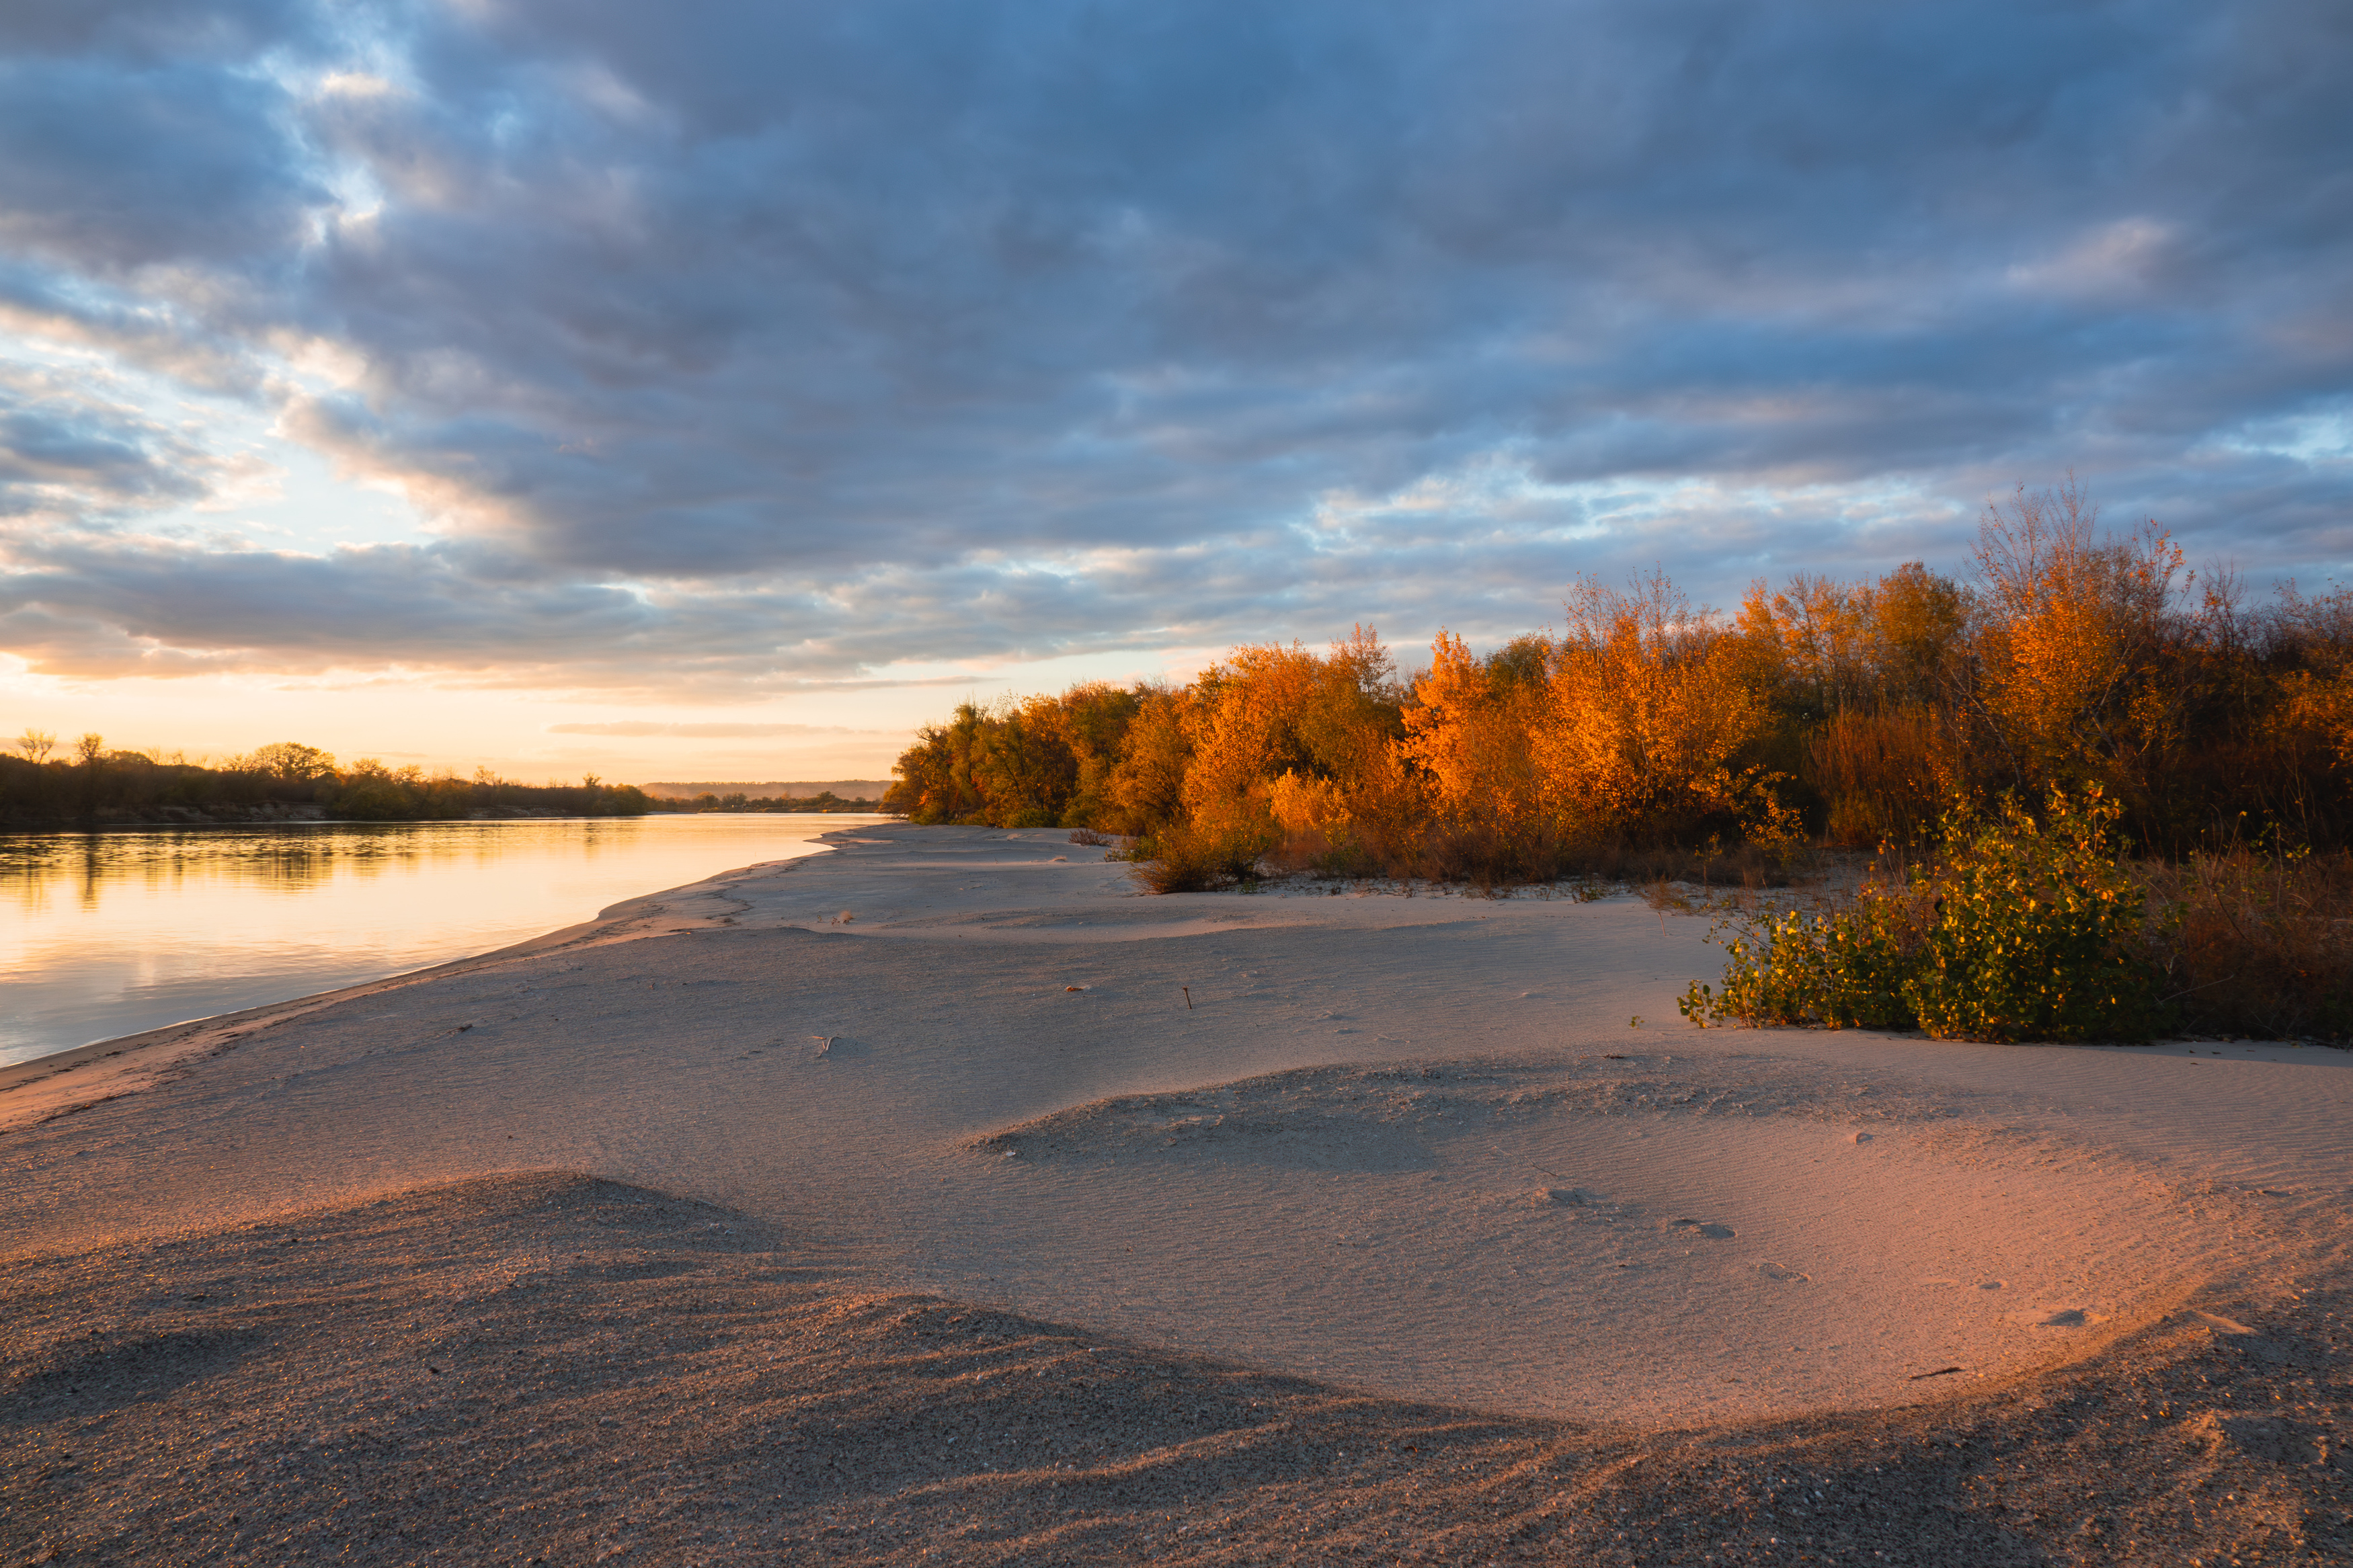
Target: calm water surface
column 106, row 934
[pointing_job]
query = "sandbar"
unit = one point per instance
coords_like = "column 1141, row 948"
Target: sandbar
column 1319, row 1222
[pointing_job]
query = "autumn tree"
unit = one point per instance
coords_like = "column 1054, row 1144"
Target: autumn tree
column 1145, row 788
column 1868, row 710
column 1651, row 722
column 934, row 781
column 1287, row 741
column 2073, row 647
column 1471, row 731
column 1884, row 756
column 1093, row 718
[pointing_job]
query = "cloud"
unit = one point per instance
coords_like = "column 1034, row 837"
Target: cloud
column 70, row 451
column 785, row 345
column 640, row 729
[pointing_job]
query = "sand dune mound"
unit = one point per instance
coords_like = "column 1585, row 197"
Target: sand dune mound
column 558, row 1368
column 1595, row 1234
column 1400, row 1103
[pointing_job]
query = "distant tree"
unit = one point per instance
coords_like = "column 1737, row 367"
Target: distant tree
column 292, row 761
column 37, row 744
column 90, row 748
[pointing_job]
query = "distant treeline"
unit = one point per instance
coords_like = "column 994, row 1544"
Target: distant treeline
column 766, row 789
column 285, row 782
column 824, row 800
column 1853, row 713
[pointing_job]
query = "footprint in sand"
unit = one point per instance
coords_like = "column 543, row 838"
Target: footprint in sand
column 1712, row 1231
column 1776, row 1271
column 2065, row 1318
column 1558, row 1197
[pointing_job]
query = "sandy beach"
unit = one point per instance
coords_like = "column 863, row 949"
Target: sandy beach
column 943, row 1198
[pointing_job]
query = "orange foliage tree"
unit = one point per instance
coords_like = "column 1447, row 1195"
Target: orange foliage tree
column 2072, row 640
column 1653, row 720
column 1471, row 733
column 1293, row 745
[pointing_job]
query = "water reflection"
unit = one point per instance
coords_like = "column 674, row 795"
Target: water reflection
column 106, row 934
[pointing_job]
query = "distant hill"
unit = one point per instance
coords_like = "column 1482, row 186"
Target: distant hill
column 803, row 789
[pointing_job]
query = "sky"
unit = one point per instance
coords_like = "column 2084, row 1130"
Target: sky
column 722, row 390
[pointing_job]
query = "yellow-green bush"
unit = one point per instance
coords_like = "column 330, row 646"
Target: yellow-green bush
column 2025, row 929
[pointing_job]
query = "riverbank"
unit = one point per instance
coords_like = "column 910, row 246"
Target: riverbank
column 66, row 1082
column 1230, row 1184
column 110, row 935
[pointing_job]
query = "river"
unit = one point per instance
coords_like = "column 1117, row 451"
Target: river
column 103, row 934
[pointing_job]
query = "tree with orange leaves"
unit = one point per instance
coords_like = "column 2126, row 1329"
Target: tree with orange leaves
column 1471, row 732
column 1285, row 740
column 1651, row 721
column 2072, row 640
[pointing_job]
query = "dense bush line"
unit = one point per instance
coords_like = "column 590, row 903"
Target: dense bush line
column 93, row 784
column 1855, row 713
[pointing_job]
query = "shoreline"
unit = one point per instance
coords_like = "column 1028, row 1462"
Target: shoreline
column 140, row 1060
column 149, row 1050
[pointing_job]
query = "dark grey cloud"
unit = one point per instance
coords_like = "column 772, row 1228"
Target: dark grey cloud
column 774, row 342
column 69, row 450
column 114, row 168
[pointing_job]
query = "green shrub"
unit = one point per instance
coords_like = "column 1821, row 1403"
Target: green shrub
column 2024, row 929
column 2037, row 933
column 1843, row 971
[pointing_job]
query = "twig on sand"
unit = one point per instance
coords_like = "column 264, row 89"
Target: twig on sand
column 1188, row 997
